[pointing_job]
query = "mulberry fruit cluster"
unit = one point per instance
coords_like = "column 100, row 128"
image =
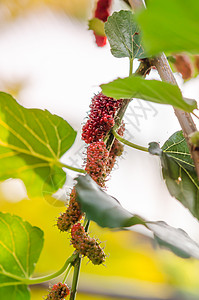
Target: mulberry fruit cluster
column 72, row 214
column 102, row 12
column 86, row 245
column 101, row 118
column 116, row 150
column 59, row 291
column 96, row 164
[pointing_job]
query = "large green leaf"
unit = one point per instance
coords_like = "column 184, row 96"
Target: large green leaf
column 15, row 292
column 20, row 248
column 31, row 143
column 171, row 25
column 107, row 212
column 150, row 90
column 179, row 171
column 124, row 35
column 96, row 203
column 174, row 239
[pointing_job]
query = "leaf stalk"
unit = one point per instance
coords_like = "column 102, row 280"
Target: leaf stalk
column 132, row 145
column 79, row 170
column 30, row 281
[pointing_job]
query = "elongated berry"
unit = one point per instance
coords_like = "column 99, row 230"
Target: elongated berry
column 97, row 156
column 59, row 291
column 101, row 118
column 86, row 245
column 102, row 12
column 72, row 214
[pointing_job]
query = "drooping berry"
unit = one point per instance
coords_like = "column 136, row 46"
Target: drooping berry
column 72, row 214
column 59, row 291
column 101, row 118
column 97, row 156
column 86, row 245
column 102, row 12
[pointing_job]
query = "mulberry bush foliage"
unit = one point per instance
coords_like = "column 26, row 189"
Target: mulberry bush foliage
column 32, row 142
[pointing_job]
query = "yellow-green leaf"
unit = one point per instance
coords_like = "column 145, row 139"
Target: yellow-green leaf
column 31, row 144
column 20, row 248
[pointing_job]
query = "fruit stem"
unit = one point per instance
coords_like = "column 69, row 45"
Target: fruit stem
column 75, row 278
column 135, row 146
column 109, row 139
column 38, row 280
column 67, row 273
column 62, row 165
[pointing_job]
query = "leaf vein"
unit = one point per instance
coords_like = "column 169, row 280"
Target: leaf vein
column 174, row 144
column 183, row 161
column 34, row 134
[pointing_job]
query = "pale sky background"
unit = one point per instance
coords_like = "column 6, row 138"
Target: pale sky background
column 62, row 68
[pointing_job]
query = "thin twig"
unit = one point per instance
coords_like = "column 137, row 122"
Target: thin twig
column 195, row 115
column 75, row 278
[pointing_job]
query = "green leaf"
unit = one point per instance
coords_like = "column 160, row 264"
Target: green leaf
column 97, row 26
column 174, row 239
column 150, row 90
column 124, row 35
column 97, row 203
column 170, row 26
column 179, row 171
column 107, row 212
column 20, row 248
column 31, row 144
column 15, row 292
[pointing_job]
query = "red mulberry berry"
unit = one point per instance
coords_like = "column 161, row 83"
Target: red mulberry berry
column 59, row 291
column 100, row 40
column 101, row 118
column 97, row 156
column 102, row 12
column 86, row 245
column 72, row 215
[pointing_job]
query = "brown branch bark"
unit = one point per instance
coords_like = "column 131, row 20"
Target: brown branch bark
column 186, row 122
